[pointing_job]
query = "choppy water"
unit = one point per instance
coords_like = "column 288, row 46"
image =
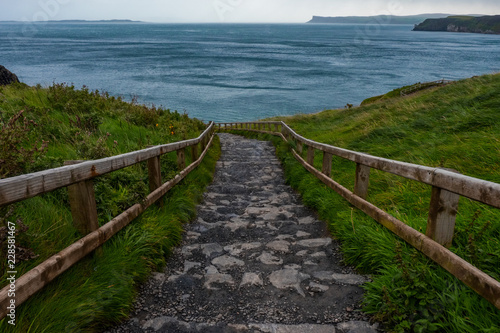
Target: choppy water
column 242, row 72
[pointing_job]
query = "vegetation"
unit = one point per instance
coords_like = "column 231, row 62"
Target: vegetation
column 457, row 127
column 42, row 128
column 483, row 24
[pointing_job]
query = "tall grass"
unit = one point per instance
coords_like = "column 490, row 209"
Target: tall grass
column 99, row 290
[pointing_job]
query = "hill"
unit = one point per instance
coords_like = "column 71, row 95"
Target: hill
column 456, row 126
column 471, row 24
column 381, row 19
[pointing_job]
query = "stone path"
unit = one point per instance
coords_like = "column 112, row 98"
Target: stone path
column 256, row 260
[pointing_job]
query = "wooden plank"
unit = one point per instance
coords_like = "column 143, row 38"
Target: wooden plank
column 310, row 155
column 442, row 215
column 362, row 181
column 327, row 164
column 480, row 282
column 181, row 159
column 83, row 206
column 276, row 127
column 300, row 147
column 27, row 186
column 154, row 173
column 194, row 152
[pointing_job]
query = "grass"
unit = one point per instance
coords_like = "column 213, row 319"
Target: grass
column 456, row 127
column 80, row 124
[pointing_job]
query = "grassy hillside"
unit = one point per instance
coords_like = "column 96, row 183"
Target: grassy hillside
column 482, row 24
column 41, row 128
column 457, row 127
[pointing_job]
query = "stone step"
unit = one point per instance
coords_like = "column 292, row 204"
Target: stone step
column 170, row 324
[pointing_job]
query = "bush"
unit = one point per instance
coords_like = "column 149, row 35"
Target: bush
column 18, row 150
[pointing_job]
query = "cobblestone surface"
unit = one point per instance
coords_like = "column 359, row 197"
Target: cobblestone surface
column 256, row 260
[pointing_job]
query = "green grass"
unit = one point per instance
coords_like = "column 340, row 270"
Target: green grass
column 457, row 127
column 80, row 124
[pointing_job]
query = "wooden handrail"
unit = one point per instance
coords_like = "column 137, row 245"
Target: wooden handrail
column 23, row 187
column 477, row 189
column 447, row 185
column 35, row 184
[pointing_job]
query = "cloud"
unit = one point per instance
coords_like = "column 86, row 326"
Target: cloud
column 230, row 10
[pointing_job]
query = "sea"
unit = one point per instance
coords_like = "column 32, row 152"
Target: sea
column 242, row 72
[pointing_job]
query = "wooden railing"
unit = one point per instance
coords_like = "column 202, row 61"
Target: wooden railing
column 447, row 187
column 425, row 85
column 77, row 177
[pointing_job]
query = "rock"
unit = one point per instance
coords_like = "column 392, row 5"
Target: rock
column 211, row 249
column 251, row 279
column 319, row 242
column 157, row 323
column 268, row 259
column 226, row 262
column 305, row 328
column 357, row 327
column 7, row 77
column 350, row 279
column 307, row 220
column 288, row 278
column 302, row 234
column 318, row 288
column 213, row 276
column 279, row 246
column 188, row 265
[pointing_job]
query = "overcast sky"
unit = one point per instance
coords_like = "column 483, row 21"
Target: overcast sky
column 231, row 10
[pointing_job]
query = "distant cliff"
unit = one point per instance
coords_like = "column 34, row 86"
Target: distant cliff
column 482, row 24
column 380, row 19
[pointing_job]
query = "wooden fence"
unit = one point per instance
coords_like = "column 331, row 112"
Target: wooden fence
column 447, row 187
column 425, row 85
column 77, row 177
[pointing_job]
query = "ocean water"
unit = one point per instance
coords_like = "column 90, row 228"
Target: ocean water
column 241, row 72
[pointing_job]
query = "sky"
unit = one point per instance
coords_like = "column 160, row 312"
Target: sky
column 201, row 11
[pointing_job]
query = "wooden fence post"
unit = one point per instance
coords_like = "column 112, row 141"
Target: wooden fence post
column 300, row 147
column 276, row 128
column 442, row 214
column 82, row 203
column 362, row 180
column 181, row 159
column 154, row 175
column 260, row 126
column 327, row 164
column 310, row 155
column 194, row 152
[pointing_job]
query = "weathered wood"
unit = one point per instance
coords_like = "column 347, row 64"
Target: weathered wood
column 482, row 283
column 259, row 126
column 442, row 215
column 154, row 173
column 38, row 277
column 276, row 128
column 362, row 181
column 83, row 206
column 27, row 186
column 473, row 188
column 310, row 155
column 181, row 159
column 300, row 147
column 327, row 164
column 194, row 152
